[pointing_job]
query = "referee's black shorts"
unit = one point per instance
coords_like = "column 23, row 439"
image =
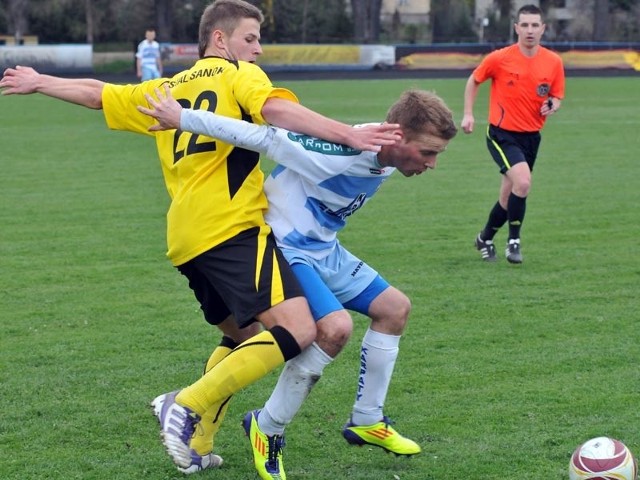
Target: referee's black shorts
column 508, row 148
column 243, row 276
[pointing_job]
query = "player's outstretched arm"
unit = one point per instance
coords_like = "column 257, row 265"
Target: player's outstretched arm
column 25, row 80
column 170, row 115
column 295, row 117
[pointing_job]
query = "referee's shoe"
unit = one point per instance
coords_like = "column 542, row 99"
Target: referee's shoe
column 512, row 251
column 486, row 248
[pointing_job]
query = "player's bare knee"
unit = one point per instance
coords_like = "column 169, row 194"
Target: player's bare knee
column 293, row 315
column 405, row 307
column 390, row 316
column 334, row 331
column 521, row 189
column 402, row 311
column 303, row 330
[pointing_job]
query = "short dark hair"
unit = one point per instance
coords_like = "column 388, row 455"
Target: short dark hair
column 528, row 9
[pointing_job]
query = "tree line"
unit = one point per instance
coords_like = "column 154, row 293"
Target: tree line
column 306, row 21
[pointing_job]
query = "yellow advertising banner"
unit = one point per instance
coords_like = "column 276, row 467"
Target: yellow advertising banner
column 633, row 59
column 573, row 59
column 440, row 60
column 600, row 59
column 309, row 55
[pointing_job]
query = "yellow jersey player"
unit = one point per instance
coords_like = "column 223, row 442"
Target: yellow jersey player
column 216, row 233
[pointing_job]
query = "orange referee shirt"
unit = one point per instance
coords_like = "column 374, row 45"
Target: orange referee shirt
column 519, row 86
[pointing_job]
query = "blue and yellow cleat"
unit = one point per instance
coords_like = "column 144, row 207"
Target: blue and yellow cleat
column 382, row 435
column 267, row 450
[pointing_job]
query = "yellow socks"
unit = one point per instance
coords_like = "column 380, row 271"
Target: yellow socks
column 202, row 441
column 245, row 364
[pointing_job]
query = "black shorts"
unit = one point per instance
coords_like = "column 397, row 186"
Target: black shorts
column 508, row 148
column 243, row 276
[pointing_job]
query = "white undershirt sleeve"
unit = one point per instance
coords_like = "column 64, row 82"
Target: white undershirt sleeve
column 229, row 130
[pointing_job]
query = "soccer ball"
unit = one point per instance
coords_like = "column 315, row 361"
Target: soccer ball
column 603, row 458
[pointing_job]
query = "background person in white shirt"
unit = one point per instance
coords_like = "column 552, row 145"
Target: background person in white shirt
column 148, row 58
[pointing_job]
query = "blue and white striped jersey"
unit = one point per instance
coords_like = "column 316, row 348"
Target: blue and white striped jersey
column 313, row 189
column 148, row 53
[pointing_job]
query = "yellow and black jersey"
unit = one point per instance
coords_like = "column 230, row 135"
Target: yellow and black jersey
column 216, row 189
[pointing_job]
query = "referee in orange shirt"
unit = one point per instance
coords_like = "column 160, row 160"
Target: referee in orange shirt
column 527, row 85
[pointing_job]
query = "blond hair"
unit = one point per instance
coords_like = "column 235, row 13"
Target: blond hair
column 420, row 112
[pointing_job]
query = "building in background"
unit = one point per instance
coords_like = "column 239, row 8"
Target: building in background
column 561, row 16
column 410, row 11
column 566, row 20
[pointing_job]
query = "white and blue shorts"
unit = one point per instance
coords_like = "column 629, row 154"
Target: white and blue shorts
column 340, row 280
column 149, row 72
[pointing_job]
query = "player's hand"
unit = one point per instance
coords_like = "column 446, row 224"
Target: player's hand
column 467, row 123
column 165, row 109
column 19, row 81
column 373, row 137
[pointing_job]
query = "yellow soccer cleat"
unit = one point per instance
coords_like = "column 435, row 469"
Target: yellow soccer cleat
column 267, row 450
column 382, row 435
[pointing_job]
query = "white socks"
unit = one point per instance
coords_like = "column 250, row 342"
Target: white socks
column 377, row 358
column 297, row 379
column 378, row 355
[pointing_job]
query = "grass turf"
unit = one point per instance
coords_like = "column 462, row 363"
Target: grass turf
column 503, row 369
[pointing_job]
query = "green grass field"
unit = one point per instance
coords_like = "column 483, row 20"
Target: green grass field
column 502, row 372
